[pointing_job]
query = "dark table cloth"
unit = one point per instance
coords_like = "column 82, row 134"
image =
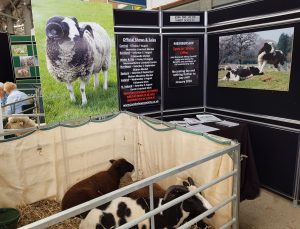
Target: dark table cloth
column 250, row 186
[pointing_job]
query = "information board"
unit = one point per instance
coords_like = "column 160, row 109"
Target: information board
column 183, row 62
column 139, row 69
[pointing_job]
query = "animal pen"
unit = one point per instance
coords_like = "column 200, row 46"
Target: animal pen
column 46, row 162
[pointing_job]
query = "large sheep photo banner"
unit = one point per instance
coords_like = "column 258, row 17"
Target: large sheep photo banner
column 75, row 43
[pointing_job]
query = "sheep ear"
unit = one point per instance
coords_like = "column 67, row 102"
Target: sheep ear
column 112, row 161
column 191, row 181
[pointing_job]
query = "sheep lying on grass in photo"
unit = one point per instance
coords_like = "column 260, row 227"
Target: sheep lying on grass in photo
column 240, row 73
column 124, row 209
column 97, row 185
column 77, row 50
column 20, row 123
column 158, row 191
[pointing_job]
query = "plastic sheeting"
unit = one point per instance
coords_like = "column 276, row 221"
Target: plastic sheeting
column 46, row 163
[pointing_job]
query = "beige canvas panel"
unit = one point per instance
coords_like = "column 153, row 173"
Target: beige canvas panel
column 46, row 163
column 168, row 149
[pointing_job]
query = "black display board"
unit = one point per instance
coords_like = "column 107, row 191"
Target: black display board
column 138, row 70
column 149, row 82
column 275, row 153
column 183, row 60
column 183, row 77
column 266, row 102
column 6, row 67
column 135, row 18
column 251, row 9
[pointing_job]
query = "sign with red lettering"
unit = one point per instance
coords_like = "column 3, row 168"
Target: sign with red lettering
column 138, row 70
column 183, row 62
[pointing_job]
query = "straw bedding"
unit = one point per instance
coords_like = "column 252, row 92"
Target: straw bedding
column 44, row 208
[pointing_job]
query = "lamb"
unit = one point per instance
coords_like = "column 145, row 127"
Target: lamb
column 20, row 123
column 190, row 184
column 77, row 50
column 97, row 184
column 158, row 191
column 124, row 209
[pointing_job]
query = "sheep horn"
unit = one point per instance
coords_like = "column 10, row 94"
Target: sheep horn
column 88, row 28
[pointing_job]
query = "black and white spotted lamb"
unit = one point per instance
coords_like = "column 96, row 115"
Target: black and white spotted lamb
column 77, row 50
column 124, row 209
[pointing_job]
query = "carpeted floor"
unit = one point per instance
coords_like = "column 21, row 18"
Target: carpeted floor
column 269, row 211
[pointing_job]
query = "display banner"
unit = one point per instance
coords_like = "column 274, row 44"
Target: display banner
column 183, row 62
column 139, row 70
column 75, row 44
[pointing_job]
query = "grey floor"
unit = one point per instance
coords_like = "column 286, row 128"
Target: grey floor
column 269, row 211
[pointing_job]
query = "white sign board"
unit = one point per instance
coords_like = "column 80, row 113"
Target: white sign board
column 185, row 18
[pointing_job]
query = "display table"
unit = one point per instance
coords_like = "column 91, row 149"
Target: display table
column 250, row 186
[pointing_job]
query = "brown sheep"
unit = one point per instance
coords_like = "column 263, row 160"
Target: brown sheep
column 97, row 185
column 158, row 191
column 20, row 123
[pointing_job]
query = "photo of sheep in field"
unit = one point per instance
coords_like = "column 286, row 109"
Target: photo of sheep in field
column 19, row 50
column 256, row 60
column 75, row 42
column 77, row 50
column 22, row 72
column 28, row 61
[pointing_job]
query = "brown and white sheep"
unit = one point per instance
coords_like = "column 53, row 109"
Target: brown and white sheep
column 20, row 123
column 158, row 191
column 97, row 184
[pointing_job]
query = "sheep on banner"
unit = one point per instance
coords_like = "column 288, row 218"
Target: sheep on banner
column 77, row 50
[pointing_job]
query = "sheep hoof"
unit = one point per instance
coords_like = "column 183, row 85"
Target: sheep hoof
column 105, row 86
column 84, row 103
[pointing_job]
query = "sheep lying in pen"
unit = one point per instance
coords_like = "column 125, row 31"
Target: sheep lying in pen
column 77, row 50
column 124, row 209
column 97, row 185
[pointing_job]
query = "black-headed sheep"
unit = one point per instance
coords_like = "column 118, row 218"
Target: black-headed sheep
column 77, row 50
column 124, row 209
column 97, row 184
column 158, row 191
column 190, row 184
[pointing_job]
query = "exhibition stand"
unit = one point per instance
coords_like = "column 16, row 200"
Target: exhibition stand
column 177, row 69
